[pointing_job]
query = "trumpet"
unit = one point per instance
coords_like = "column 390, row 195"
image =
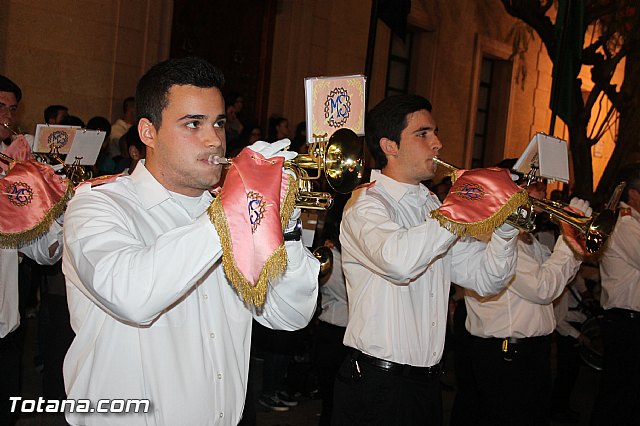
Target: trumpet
column 596, row 229
column 74, row 172
column 325, row 256
column 341, row 160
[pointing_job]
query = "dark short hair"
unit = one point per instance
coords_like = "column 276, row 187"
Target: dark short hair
column 133, row 138
column 631, row 175
column 388, row 119
column 72, row 120
column 7, row 85
column 52, row 111
column 127, row 103
column 153, row 88
column 99, row 123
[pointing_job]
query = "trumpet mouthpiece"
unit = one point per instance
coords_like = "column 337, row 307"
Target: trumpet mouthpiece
column 8, row 127
column 216, row 159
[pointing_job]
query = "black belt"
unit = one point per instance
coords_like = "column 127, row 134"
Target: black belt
column 514, row 340
column 400, row 369
column 626, row 313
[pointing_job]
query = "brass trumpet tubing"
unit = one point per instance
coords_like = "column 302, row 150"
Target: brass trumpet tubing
column 306, row 162
column 6, row 158
column 13, row 132
column 314, row 200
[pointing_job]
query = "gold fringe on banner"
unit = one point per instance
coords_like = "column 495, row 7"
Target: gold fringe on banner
column 19, row 239
column 484, row 226
column 275, row 265
column 289, row 202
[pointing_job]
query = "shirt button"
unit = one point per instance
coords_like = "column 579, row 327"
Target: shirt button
column 220, row 376
column 212, row 335
column 221, row 414
column 431, row 294
column 434, row 354
column 433, row 324
column 206, row 296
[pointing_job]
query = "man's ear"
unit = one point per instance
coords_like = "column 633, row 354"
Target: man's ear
column 389, row 147
column 148, row 133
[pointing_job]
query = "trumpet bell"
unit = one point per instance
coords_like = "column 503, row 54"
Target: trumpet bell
column 344, row 161
column 325, row 256
column 596, row 229
column 600, row 229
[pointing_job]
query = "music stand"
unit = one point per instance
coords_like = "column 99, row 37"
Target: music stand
column 546, row 156
column 81, row 146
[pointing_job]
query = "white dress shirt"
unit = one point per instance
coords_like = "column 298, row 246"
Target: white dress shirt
column 399, row 263
column 335, row 306
column 38, row 250
column 154, row 315
column 620, row 263
column 525, row 307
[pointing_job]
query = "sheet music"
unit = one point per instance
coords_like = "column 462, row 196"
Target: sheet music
column 86, row 147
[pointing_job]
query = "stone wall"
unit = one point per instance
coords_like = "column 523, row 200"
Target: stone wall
column 85, row 54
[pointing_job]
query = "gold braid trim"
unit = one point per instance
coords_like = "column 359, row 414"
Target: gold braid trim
column 275, row 265
column 289, row 202
column 484, row 226
column 19, row 239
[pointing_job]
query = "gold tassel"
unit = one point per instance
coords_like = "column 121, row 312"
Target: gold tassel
column 484, row 226
column 275, row 265
column 19, row 239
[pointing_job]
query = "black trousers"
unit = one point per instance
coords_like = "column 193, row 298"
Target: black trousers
column 618, row 400
column 10, row 369
column 512, row 389
column 383, row 398
column 465, row 410
column 330, row 352
column 568, row 366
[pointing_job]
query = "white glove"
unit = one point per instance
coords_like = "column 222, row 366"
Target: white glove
column 506, row 231
column 275, row 149
column 582, row 205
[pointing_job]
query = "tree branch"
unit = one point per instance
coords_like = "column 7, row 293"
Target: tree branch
column 533, row 13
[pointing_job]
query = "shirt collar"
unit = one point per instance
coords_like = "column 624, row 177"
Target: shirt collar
column 398, row 190
column 152, row 193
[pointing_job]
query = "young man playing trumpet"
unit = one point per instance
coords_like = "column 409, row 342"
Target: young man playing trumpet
column 512, row 331
column 45, row 250
column 398, row 264
column 155, row 314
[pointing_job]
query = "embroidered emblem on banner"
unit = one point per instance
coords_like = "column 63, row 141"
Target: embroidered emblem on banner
column 58, row 139
column 470, row 191
column 20, row 194
column 337, row 107
column 256, row 206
